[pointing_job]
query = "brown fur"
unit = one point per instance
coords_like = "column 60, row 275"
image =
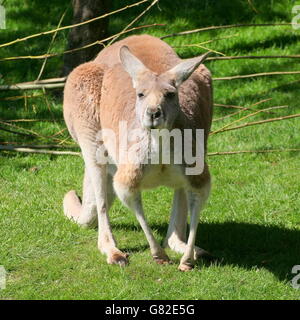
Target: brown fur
column 95, row 91
column 99, row 94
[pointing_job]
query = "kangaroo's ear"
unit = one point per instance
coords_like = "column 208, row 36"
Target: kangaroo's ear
column 131, row 64
column 183, row 70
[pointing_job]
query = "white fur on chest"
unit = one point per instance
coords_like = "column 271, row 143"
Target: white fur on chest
column 154, row 174
column 163, row 175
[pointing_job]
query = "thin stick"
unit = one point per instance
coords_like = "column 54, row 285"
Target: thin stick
column 34, row 120
column 21, row 97
column 183, row 33
column 98, row 42
column 22, row 86
column 58, row 133
column 248, row 124
column 262, row 74
column 245, row 117
column 241, row 109
column 206, row 42
column 47, row 81
column 38, row 146
column 50, row 45
column 29, row 132
column 134, row 20
column 42, row 151
column 73, row 25
column 252, row 6
column 227, row 106
column 222, row 153
column 16, row 132
column 293, row 56
column 65, row 140
column 211, row 50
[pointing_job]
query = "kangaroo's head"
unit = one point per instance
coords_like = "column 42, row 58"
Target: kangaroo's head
column 157, row 102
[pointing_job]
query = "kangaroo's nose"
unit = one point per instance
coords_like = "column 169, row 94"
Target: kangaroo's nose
column 154, row 113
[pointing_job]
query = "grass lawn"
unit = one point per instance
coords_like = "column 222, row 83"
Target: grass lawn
column 252, row 220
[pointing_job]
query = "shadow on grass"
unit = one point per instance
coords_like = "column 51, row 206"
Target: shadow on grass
column 279, row 41
column 198, row 13
column 244, row 245
column 286, row 90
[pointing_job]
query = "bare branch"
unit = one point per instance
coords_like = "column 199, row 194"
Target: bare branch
column 183, row 33
column 292, row 56
column 134, row 20
column 16, row 132
column 248, row 124
column 254, row 75
column 249, row 115
column 222, row 153
column 50, row 45
column 42, row 151
column 22, row 86
column 241, row 109
column 72, row 26
column 99, row 42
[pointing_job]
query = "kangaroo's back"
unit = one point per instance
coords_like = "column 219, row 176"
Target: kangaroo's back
column 156, row 54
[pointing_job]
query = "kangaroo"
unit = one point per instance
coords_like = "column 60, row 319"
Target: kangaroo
column 142, row 82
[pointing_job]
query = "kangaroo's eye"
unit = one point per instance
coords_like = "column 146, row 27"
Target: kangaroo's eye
column 170, row 95
column 141, row 95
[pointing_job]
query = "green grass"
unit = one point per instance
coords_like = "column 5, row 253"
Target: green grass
column 251, row 222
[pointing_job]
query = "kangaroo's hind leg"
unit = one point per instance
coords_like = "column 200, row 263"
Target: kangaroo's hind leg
column 102, row 187
column 82, row 108
column 196, row 200
column 176, row 234
column 84, row 213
